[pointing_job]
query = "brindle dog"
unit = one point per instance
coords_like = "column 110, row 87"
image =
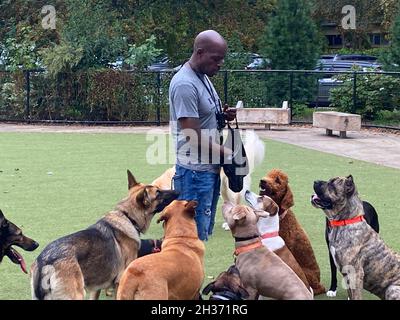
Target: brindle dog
column 227, row 286
column 359, row 253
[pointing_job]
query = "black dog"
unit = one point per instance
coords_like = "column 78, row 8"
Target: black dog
column 11, row 235
column 371, row 217
column 148, row 246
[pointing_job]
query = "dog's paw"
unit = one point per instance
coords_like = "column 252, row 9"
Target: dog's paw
column 331, row 294
column 225, row 226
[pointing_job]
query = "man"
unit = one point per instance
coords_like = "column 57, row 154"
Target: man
column 196, row 124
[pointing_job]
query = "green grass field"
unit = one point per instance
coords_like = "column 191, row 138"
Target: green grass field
column 53, row 184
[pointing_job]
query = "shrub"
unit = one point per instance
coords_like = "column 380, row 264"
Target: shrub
column 375, row 92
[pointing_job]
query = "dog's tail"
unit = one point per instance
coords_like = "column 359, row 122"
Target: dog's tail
column 41, row 280
column 255, row 149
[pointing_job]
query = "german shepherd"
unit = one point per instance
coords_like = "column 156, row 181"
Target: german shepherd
column 95, row 258
column 11, row 235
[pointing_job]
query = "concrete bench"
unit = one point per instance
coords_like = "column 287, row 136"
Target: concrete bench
column 265, row 116
column 338, row 121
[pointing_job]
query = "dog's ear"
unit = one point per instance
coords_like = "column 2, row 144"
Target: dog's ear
column 1, row 215
column 270, row 205
column 240, row 214
column 143, row 198
column 349, row 185
column 208, row 288
column 131, row 180
column 226, row 207
column 243, row 292
column 261, row 213
column 287, row 201
column 164, row 216
column 192, row 204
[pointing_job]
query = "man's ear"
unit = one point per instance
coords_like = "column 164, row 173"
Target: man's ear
column 131, row 180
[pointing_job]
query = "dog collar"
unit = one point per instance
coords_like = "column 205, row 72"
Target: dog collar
column 225, row 295
column 283, row 214
column 135, row 224
column 246, row 238
column 341, row 223
column 268, row 235
column 248, row 247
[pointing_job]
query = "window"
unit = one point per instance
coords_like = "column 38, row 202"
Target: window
column 334, row 40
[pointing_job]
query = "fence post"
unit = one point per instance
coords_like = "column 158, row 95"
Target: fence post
column 354, row 92
column 28, row 93
column 159, row 99
column 225, row 87
column 291, row 93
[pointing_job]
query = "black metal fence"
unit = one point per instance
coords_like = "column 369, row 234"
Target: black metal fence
column 124, row 97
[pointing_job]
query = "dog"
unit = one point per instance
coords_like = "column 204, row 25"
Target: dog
column 147, row 246
column 371, row 217
column 276, row 186
column 11, row 235
column 227, row 286
column 95, row 258
column 262, row 271
column 177, row 272
column 269, row 230
column 362, row 257
column 255, row 151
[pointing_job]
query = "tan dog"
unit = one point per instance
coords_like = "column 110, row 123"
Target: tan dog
column 262, row 271
column 276, row 186
column 95, row 258
column 269, row 230
column 175, row 273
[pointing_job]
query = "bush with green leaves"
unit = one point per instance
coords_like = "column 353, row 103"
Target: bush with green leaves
column 374, row 93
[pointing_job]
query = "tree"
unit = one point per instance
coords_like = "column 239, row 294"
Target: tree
column 291, row 41
column 392, row 59
column 369, row 14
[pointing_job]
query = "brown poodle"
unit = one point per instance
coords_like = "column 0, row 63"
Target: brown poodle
column 276, row 186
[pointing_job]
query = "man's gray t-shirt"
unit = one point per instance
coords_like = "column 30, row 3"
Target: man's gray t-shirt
column 189, row 97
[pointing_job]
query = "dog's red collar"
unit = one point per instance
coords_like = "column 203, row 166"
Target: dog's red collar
column 270, row 235
column 248, row 247
column 341, row 223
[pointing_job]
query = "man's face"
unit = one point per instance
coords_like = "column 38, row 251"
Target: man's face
column 212, row 59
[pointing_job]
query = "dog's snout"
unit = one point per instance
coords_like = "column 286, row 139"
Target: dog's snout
column 34, row 246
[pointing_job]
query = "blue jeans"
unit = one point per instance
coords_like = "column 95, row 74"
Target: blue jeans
column 203, row 187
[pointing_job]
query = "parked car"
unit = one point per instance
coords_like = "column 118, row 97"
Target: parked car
column 258, row 62
column 329, row 82
column 355, row 57
column 162, row 64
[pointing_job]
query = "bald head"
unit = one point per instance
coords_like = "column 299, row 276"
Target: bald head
column 209, row 51
column 208, row 39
